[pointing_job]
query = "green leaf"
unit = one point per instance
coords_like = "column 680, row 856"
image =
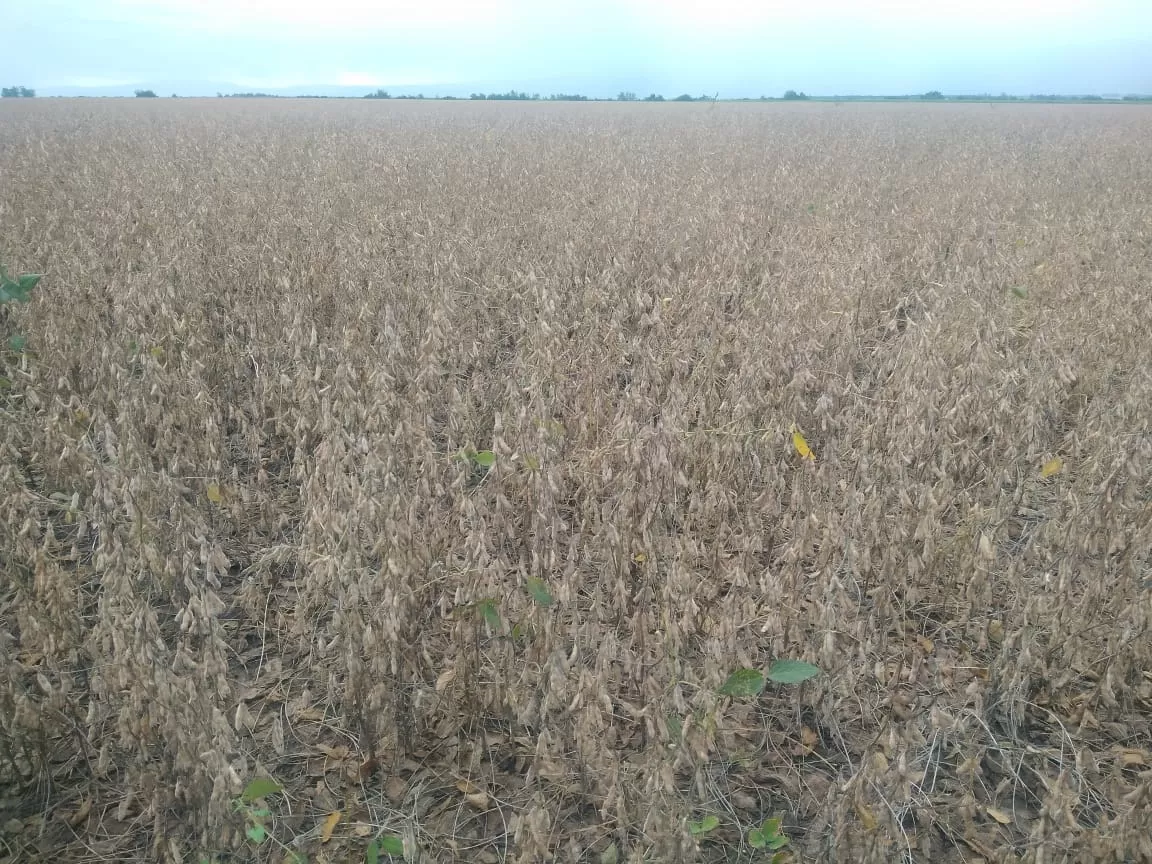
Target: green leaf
column 709, row 823
column 258, row 787
column 743, row 682
column 489, row 614
column 17, row 341
column 780, row 858
column 392, row 845
column 484, row 458
column 18, row 291
column 372, row 853
column 791, row 671
column 768, row 836
column 675, row 728
column 611, row 855
column 256, row 833
column 1020, row 292
column 5, row 383
column 28, row 281
column 539, row 592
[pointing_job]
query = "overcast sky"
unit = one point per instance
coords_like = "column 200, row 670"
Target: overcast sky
column 736, row 47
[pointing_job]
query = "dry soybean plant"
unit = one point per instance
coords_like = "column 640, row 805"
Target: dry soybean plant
column 487, row 483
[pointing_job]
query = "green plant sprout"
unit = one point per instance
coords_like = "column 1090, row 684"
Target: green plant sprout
column 17, row 290
column 256, row 815
column 705, row 826
column 771, row 837
column 386, row 844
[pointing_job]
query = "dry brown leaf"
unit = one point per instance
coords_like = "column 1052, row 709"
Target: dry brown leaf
column 445, row 678
column 368, row 767
column 1130, row 757
column 79, row 815
column 362, row 829
column 477, row 800
column 395, row 788
column 329, row 826
column 337, row 754
column 999, row 815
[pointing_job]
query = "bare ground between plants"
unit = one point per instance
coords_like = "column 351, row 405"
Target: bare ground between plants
column 245, row 532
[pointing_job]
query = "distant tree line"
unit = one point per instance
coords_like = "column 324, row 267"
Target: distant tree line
column 17, row 92
column 510, row 96
column 630, row 96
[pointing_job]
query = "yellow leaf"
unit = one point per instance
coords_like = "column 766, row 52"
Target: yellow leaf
column 639, row 557
column 157, row 352
column 329, row 826
column 801, row 445
column 1052, row 466
column 927, row 644
column 214, row 494
column 999, row 815
column 867, row 817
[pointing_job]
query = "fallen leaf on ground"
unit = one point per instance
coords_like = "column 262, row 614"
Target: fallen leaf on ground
column 329, row 826
column 999, row 815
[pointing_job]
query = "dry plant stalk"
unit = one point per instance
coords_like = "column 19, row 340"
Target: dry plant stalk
column 246, row 530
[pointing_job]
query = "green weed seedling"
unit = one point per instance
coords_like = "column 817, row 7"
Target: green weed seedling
column 386, row 844
column 256, row 815
column 771, row 838
column 705, row 826
column 747, row 683
column 16, row 290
